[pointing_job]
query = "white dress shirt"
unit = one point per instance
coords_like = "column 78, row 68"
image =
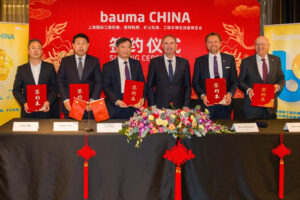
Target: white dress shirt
column 36, row 69
column 122, row 72
column 211, row 65
column 173, row 64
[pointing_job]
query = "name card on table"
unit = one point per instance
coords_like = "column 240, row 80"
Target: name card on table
column 292, row 127
column 108, row 127
column 245, row 127
column 65, row 126
column 26, row 126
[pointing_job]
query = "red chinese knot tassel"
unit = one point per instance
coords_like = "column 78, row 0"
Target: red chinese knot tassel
column 281, row 151
column 86, row 152
column 178, row 155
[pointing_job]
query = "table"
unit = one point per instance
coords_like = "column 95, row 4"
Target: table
column 45, row 165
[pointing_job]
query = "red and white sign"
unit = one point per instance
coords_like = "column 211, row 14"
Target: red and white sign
column 55, row 22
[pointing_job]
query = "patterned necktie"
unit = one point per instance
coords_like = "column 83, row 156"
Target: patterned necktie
column 170, row 70
column 216, row 72
column 80, row 68
column 127, row 73
column 265, row 70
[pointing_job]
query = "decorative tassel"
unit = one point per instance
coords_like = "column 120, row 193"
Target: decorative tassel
column 281, row 151
column 178, row 155
column 86, row 152
column 178, row 195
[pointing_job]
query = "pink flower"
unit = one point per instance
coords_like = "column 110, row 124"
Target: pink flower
column 160, row 129
column 151, row 125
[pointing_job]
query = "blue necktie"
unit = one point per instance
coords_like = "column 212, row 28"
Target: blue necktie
column 170, row 70
column 127, row 73
column 216, row 73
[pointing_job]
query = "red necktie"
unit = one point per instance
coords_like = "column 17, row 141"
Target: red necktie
column 265, row 70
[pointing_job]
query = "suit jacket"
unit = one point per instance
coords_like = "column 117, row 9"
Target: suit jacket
column 161, row 91
column 68, row 74
column 24, row 77
column 201, row 72
column 112, row 81
column 249, row 75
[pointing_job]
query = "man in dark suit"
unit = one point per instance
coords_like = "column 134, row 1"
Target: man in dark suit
column 169, row 78
column 79, row 68
column 115, row 73
column 260, row 68
column 35, row 72
column 215, row 65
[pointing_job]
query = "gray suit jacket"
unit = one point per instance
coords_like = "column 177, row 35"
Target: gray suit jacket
column 249, row 75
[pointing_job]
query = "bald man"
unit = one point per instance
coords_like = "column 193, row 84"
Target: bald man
column 253, row 71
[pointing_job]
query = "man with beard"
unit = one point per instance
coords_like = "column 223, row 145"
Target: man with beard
column 215, row 65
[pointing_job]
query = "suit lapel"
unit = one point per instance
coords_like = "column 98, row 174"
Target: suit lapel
column 117, row 73
column 224, row 63
column 86, row 66
column 163, row 68
column 256, row 68
column 177, row 69
column 206, row 67
column 271, row 68
column 29, row 72
column 133, row 70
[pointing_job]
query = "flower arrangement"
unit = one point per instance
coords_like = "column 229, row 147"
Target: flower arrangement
column 180, row 124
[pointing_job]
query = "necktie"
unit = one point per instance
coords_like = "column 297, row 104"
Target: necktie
column 170, row 70
column 80, row 68
column 216, row 73
column 265, row 70
column 127, row 73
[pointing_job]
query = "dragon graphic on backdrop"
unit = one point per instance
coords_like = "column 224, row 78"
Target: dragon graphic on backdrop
column 234, row 46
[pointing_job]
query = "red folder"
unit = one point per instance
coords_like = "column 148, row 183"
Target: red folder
column 99, row 110
column 36, row 97
column 216, row 90
column 79, row 91
column 263, row 95
column 77, row 109
column 133, row 92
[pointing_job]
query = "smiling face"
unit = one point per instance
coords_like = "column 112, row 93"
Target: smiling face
column 169, row 46
column 35, row 50
column 124, row 50
column 80, row 46
column 262, row 46
column 213, row 44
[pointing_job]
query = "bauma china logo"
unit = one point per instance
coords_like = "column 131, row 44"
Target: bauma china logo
column 7, row 36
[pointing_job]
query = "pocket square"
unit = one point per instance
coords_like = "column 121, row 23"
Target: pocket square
column 227, row 67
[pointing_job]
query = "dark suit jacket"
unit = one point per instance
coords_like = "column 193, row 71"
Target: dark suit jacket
column 68, row 74
column 24, row 77
column 249, row 75
column 201, row 72
column 112, row 81
column 161, row 91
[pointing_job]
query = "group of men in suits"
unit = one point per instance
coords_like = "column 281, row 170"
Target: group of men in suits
column 168, row 80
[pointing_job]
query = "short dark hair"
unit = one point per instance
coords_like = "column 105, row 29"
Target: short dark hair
column 213, row 34
column 122, row 40
column 34, row 40
column 80, row 35
column 169, row 35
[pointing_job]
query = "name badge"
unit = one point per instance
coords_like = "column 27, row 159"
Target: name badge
column 26, row 126
column 65, row 126
column 108, row 127
column 292, row 127
column 245, row 127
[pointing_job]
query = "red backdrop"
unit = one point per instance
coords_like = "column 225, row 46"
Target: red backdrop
column 55, row 22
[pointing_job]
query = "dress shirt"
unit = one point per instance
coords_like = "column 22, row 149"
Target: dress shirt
column 36, row 69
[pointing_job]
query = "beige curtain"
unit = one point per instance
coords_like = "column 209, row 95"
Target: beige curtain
column 14, row 11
